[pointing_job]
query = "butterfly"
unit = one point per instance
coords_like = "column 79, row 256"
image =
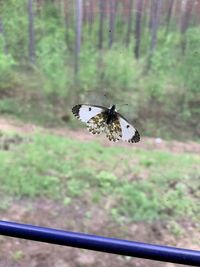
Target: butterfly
column 101, row 119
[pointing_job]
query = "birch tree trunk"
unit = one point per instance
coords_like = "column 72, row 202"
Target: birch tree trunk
column 79, row 5
column 101, row 23
column 154, row 27
column 91, row 15
column 139, row 6
column 129, row 22
column 112, row 21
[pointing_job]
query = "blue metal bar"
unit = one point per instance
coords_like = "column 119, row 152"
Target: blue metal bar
column 100, row 243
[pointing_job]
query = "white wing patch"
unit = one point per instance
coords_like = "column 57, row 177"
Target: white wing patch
column 86, row 112
column 129, row 133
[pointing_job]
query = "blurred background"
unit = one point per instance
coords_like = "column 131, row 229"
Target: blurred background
column 55, row 54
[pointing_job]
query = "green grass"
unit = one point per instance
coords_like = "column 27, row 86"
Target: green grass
column 146, row 185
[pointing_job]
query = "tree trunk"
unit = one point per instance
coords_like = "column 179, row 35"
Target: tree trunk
column 85, row 12
column 101, row 20
column 78, row 35
column 129, row 22
column 154, row 27
column 139, row 6
column 151, row 14
column 112, row 21
column 185, row 17
column 91, row 15
column 169, row 14
column 31, row 32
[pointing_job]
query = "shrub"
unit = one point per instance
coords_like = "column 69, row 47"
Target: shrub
column 6, row 68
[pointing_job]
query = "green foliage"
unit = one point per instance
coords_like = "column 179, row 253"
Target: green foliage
column 51, row 63
column 161, row 73
column 175, row 228
column 88, row 76
column 140, row 202
column 15, row 23
column 189, row 69
column 52, row 52
column 7, row 77
column 5, row 203
column 106, row 180
column 120, row 69
column 34, row 111
column 8, row 106
column 76, row 187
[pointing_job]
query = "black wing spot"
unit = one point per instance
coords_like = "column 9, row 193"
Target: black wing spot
column 90, row 109
column 76, row 110
column 127, row 126
column 135, row 138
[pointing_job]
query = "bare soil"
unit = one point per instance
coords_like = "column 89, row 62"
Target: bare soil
column 147, row 143
column 44, row 212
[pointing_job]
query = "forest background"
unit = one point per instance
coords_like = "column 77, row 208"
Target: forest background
column 143, row 53
column 55, row 54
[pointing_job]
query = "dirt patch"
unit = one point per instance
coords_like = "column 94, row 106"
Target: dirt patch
column 9, row 125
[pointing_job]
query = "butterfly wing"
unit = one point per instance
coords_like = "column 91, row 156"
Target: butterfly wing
column 129, row 133
column 93, row 116
column 97, row 124
column 114, row 131
column 86, row 112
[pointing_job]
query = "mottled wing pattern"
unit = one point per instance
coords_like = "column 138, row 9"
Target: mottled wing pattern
column 114, row 131
column 86, row 112
column 93, row 116
column 97, row 124
column 129, row 133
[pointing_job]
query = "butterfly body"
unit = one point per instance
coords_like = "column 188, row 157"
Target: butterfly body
column 100, row 119
column 111, row 115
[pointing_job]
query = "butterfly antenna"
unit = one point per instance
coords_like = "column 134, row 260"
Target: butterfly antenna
column 121, row 105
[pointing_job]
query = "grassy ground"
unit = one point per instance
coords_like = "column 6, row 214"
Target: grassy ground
column 145, row 185
column 92, row 186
